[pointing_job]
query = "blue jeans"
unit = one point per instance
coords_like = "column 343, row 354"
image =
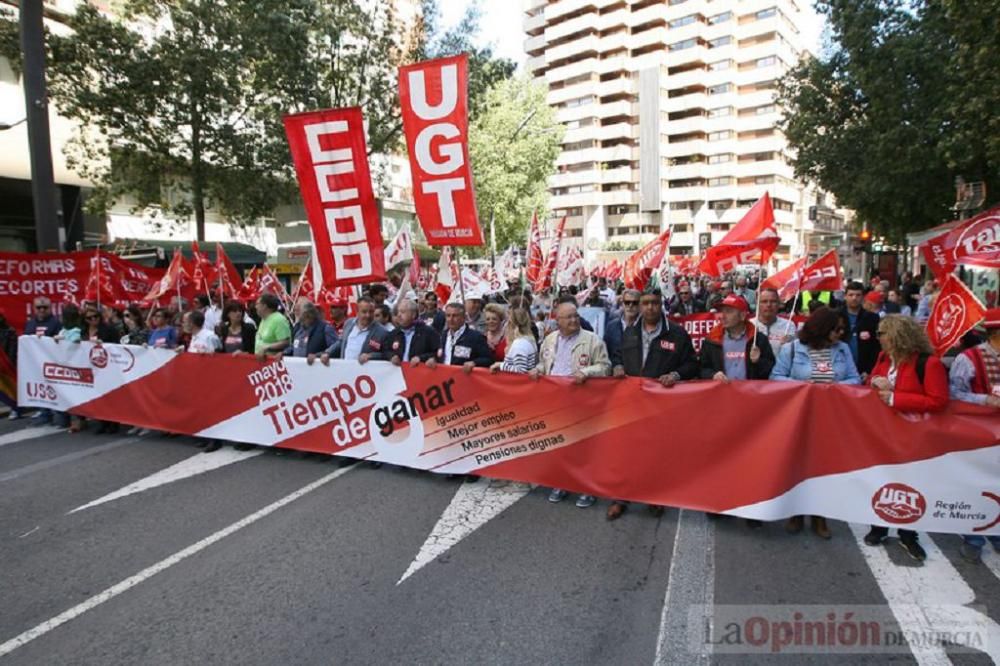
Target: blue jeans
column 978, row 540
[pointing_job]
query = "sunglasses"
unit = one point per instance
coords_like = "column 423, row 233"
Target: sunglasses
column 628, row 303
column 92, row 317
column 41, row 307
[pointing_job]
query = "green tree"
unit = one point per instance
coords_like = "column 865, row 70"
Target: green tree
column 513, row 145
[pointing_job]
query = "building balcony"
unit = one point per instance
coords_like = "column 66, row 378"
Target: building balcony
column 535, row 45
column 532, row 23
column 617, row 131
column 570, row 71
column 573, row 178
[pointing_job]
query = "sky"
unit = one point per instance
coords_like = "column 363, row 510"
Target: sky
column 500, row 25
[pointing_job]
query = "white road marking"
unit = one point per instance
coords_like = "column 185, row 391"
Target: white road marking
column 162, row 565
column 474, row 505
column 690, row 587
column 37, row 527
column 29, row 433
column 928, row 599
column 69, row 457
column 991, row 558
column 193, row 466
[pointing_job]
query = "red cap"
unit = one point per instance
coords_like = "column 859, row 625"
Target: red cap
column 874, row 296
column 992, row 319
column 734, row 301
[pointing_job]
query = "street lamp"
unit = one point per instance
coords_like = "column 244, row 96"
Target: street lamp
column 4, row 126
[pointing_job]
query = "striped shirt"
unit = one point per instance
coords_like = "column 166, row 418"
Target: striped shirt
column 822, row 366
column 521, row 357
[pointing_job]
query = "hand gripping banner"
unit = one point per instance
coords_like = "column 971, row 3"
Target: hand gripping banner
column 434, row 97
column 779, row 449
column 331, row 162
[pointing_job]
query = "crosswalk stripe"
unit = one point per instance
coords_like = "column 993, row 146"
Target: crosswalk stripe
column 690, row 585
column 32, row 432
column 69, row 457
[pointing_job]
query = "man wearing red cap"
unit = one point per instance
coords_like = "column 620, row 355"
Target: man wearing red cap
column 338, row 315
column 975, row 378
column 734, row 350
column 873, row 302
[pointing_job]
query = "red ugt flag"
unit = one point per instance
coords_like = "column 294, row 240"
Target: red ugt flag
column 752, row 236
column 640, row 266
column 956, row 310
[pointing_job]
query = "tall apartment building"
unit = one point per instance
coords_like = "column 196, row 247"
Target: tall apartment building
column 671, row 120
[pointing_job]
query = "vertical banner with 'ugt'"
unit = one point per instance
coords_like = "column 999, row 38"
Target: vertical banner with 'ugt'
column 434, row 97
column 331, row 162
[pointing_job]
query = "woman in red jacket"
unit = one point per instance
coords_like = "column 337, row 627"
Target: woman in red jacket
column 908, row 378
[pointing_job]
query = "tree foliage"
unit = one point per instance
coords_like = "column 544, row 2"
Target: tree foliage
column 876, row 120
column 513, row 144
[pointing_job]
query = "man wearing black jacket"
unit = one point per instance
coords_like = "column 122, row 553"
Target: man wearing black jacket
column 863, row 336
column 732, row 351
column 411, row 341
column 460, row 343
column 656, row 348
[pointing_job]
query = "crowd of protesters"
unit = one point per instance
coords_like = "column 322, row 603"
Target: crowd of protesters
column 870, row 335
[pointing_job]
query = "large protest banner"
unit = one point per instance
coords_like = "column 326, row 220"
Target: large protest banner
column 777, row 449
column 63, row 278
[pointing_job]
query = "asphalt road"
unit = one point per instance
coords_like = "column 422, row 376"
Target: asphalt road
column 125, row 550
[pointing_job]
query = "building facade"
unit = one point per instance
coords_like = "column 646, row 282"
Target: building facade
column 671, row 120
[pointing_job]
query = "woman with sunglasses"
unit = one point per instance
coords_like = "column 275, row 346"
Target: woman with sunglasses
column 818, row 356
column 136, row 332
column 94, row 328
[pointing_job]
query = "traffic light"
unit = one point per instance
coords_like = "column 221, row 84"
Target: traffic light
column 865, row 236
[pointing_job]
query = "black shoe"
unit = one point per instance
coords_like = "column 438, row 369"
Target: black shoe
column 113, row 428
column 346, row 462
column 914, row 549
column 242, row 447
column 471, row 478
column 754, row 524
column 656, row 510
column 875, row 536
column 214, row 446
column 201, row 444
column 374, row 464
column 103, row 428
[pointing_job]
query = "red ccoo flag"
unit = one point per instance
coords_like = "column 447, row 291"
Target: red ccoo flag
column 640, row 266
column 823, row 274
column 787, row 281
column 956, row 310
column 754, row 236
column 547, row 277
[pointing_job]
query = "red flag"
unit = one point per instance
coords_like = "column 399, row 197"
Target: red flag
column 956, row 310
column 203, row 273
column 415, row 269
column 444, row 282
column 534, row 269
column 100, row 288
column 614, row 271
column 787, row 281
column 176, row 278
column 545, row 280
column 250, row 289
column 227, row 277
column 823, row 274
column 331, row 162
column 434, row 99
column 270, row 282
column 640, row 266
column 939, row 255
column 754, row 236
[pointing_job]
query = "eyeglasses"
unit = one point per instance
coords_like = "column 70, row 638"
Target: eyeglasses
column 630, row 303
column 41, row 307
column 93, row 316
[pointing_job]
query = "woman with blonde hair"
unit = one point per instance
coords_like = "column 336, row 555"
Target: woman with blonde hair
column 522, row 350
column 908, row 378
column 494, row 315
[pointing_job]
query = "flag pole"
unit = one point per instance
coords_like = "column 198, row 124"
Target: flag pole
column 98, row 255
column 760, row 281
column 461, row 280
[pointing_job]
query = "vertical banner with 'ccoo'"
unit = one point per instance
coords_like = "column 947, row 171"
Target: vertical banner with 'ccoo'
column 434, row 96
column 331, row 162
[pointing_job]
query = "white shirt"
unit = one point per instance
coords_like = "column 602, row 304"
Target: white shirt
column 777, row 333
column 213, row 315
column 204, row 341
column 449, row 343
column 355, row 342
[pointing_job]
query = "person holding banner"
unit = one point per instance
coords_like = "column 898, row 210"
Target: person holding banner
column 614, row 330
column 522, row 349
column 730, row 352
column 908, row 378
column 817, row 357
column 572, row 352
column 494, row 315
column 975, row 378
column 136, row 332
column 363, row 339
column 311, row 335
column 658, row 349
column 43, row 322
column 779, row 331
column 461, row 344
column 274, row 333
column 861, row 337
column 236, row 333
column 161, row 334
column 411, row 341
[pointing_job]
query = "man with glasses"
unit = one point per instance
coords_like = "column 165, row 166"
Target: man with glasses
column 43, row 322
column 686, row 304
column 572, row 352
column 614, row 330
column 779, row 331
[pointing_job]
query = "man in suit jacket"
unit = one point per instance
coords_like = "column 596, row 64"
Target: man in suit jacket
column 686, row 304
column 363, row 339
column 863, row 336
column 411, row 341
column 460, row 343
column 615, row 329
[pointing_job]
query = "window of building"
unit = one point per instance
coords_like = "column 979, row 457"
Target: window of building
column 720, row 65
column 721, row 158
column 622, row 210
column 720, row 182
column 720, row 18
column 721, row 135
column 720, row 89
column 684, row 205
column 725, row 40
column 686, row 44
column 766, row 13
column 721, row 204
column 719, row 226
column 767, row 62
column 684, row 20
column 782, row 205
column 573, row 212
column 763, row 180
column 720, row 112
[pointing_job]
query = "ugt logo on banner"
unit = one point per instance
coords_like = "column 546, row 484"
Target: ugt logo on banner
column 434, row 97
column 331, row 162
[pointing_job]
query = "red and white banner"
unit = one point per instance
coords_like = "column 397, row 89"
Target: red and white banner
column 548, row 275
column 956, row 311
column 823, row 274
column 787, row 281
column 535, row 257
column 400, row 249
column 331, row 162
column 434, row 97
column 698, row 326
column 63, row 278
column 640, row 265
column 973, row 242
column 761, row 459
column 753, row 239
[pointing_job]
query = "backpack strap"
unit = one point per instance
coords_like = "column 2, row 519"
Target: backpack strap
column 922, row 366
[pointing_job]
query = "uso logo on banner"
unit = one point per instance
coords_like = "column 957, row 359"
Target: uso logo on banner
column 434, row 96
column 898, row 503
